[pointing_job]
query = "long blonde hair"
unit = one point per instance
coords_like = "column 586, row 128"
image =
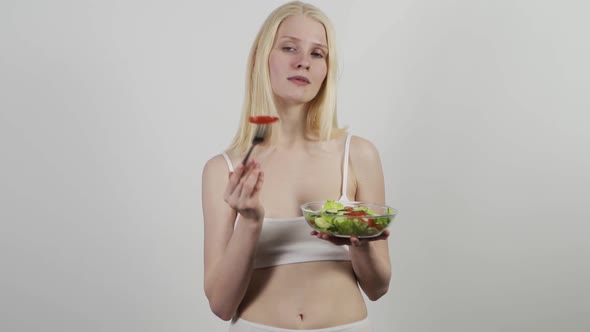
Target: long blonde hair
column 258, row 99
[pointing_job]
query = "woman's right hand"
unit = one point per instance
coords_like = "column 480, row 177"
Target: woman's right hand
column 243, row 191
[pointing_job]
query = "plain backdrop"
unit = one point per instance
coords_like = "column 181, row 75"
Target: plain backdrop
column 109, row 110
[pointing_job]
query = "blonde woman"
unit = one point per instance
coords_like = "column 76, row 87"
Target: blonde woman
column 264, row 268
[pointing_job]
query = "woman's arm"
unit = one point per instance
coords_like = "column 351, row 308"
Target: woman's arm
column 370, row 259
column 229, row 253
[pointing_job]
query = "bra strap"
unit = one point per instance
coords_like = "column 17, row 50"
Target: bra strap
column 345, row 168
column 228, row 161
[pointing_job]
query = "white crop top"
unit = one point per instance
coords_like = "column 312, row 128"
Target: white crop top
column 287, row 240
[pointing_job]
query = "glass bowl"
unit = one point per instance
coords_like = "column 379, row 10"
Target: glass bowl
column 346, row 219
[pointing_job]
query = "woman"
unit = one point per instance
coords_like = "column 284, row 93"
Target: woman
column 264, row 269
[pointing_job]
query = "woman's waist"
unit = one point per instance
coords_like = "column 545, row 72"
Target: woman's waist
column 304, row 296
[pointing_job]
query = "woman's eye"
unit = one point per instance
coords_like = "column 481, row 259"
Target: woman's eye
column 288, row 48
column 317, row 55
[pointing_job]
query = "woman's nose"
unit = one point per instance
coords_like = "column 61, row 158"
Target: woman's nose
column 302, row 62
column 304, row 65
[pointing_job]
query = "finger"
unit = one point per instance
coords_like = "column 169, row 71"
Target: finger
column 383, row 235
column 248, row 168
column 249, row 183
column 234, row 177
column 241, row 174
column 239, row 171
column 234, row 195
column 324, row 236
column 231, row 184
column 355, row 241
column 259, row 182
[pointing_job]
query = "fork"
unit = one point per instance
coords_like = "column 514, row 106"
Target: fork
column 259, row 136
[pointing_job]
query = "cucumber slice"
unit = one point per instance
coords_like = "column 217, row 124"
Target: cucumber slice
column 321, row 223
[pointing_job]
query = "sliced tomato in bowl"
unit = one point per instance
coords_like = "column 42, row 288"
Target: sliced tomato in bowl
column 355, row 213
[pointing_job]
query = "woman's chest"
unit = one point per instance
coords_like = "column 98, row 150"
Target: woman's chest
column 290, row 181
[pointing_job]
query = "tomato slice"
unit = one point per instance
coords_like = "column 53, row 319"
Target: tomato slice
column 355, row 213
column 263, row 119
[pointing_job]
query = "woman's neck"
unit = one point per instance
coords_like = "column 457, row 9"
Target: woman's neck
column 292, row 125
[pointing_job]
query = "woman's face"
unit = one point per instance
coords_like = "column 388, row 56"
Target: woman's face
column 298, row 60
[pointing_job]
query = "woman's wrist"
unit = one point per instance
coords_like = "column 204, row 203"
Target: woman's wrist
column 251, row 223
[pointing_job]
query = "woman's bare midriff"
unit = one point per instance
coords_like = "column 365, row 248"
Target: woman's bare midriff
column 310, row 295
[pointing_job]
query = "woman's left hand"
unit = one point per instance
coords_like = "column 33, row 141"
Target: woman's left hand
column 353, row 240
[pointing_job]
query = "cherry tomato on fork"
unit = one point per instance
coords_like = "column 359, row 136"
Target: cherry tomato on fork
column 263, row 119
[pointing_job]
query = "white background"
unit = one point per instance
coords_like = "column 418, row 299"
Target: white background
column 109, row 110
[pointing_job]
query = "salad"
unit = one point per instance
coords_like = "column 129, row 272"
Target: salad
column 345, row 220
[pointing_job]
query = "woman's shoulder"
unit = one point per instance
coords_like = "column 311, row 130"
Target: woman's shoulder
column 363, row 154
column 219, row 163
column 362, row 147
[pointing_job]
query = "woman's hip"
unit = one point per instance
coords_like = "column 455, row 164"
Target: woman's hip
column 242, row 325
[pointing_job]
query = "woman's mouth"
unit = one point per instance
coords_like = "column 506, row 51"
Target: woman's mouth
column 299, row 80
